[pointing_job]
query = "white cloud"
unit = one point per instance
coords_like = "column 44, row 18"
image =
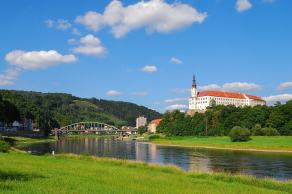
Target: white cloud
column 59, row 24
column 139, row 93
column 76, row 32
column 176, row 107
column 37, row 59
column 175, row 100
column 90, row 45
column 210, row 87
column 280, row 98
column 241, row 87
column 9, row 76
column 63, row 24
column 32, row 60
column 113, row 93
column 243, row 5
column 49, row 23
column 72, row 41
column 149, row 68
column 154, row 15
column 175, row 60
column 285, row 85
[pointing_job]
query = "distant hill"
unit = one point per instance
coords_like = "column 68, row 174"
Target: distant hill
column 50, row 110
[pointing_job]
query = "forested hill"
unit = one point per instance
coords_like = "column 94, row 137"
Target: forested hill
column 50, row 110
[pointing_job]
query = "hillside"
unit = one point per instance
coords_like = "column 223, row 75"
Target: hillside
column 50, row 110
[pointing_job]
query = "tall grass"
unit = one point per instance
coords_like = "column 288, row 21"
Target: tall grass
column 23, row 173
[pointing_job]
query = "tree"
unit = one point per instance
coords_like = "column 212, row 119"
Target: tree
column 238, row 134
column 141, row 130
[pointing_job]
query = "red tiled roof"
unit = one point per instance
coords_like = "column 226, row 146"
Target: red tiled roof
column 253, row 97
column 156, row 121
column 227, row 95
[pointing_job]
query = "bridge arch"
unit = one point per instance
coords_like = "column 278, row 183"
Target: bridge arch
column 90, row 127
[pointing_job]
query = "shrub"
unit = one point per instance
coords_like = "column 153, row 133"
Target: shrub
column 239, row 134
column 4, row 147
column 268, row 131
column 152, row 137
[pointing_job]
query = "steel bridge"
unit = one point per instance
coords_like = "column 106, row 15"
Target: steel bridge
column 91, row 127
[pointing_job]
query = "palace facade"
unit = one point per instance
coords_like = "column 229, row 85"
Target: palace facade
column 201, row 100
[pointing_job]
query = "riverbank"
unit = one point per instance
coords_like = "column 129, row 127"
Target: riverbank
column 22, row 141
column 258, row 143
column 18, row 142
column 24, row 173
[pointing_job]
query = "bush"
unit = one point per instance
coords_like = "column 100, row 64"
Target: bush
column 238, row 134
column 152, row 137
column 268, row 131
column 4, row 147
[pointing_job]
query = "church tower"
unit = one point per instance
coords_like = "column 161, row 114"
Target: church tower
column 194, row 88
column 194, row 95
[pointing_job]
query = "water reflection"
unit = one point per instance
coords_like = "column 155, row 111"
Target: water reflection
column 278, row 166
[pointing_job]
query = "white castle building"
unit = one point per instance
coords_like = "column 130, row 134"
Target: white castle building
column 201, row 100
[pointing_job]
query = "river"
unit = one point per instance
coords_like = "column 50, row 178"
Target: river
column 273, row 165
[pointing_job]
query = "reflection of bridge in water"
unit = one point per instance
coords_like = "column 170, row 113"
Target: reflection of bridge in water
column 91, row 127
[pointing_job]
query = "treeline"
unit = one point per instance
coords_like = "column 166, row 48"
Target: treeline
column 52, row 110
column 219, row 120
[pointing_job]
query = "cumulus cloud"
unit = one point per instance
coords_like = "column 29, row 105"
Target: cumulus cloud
column 72, row 41
column 243, row 5
column 63, row 24
column 113, row 93
column 139, row 93
column 49, row 23
column 241, row 87
column 9, row 76
column 175, row 60
column 175, row 100
column 149, row 68
column 37, row 59
column 22, row 60
column 210, row 87
column 285, row 85
column 276, row 98
column 59, row 24
column 154, row 15
column 177, row 107
column 90, row 45
column 76, row 32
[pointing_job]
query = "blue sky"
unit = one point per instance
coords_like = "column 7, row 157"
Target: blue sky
column 146, row 52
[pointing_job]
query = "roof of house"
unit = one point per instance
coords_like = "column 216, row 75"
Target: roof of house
column 156, row 121
column 228, row 95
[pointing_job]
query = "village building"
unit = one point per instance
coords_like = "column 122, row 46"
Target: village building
column 153, row 125
column 141, row 121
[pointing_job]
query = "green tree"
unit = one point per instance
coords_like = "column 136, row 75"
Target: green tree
column 142, row 130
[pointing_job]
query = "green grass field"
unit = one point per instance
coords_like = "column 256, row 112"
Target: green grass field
column 273, row 143
column 23, row 173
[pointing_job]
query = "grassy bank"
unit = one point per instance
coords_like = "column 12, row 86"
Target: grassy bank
column 22, row 141
column 23, row 173
column 274, row 143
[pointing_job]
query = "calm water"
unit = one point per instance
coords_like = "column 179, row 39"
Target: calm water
column 278, row 166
